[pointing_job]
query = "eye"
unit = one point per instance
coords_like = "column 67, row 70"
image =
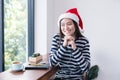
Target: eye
column 69, row 23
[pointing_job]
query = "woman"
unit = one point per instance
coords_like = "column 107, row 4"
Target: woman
column 70, row 49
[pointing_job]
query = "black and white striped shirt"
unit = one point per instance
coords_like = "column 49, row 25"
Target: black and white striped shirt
column 72, row 63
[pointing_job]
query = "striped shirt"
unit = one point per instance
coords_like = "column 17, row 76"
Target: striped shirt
column 72, row 63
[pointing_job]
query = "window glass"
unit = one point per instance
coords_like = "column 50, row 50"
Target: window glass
column 15, row 31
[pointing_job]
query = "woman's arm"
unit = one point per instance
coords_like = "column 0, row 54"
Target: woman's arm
column 82, row 57
column 57, row 51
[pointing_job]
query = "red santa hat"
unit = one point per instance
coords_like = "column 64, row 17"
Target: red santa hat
column 74, row 15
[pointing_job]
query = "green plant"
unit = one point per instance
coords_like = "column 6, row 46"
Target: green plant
column 93, row 72
column 36, row 54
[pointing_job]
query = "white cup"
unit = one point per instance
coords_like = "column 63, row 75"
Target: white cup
column 17, row 65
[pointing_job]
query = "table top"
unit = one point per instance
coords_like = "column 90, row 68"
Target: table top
column 23, row 75
column 34, row 74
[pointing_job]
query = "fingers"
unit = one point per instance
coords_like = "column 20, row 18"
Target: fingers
column 69, row 38
column 72, row 43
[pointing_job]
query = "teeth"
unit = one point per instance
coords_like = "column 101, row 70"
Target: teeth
column 67, row 31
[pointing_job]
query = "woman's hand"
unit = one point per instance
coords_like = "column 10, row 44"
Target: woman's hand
column 69, row 40
column 72, row 43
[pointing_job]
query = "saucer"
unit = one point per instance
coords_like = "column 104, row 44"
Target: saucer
column 22, row 69
column 16, row 70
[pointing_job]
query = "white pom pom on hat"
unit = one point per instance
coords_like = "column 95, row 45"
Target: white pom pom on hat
column 74, row 15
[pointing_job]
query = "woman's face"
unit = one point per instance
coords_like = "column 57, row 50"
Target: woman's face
column 67, row 27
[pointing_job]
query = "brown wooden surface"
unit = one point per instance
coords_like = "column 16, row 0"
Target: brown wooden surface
column 43, row 74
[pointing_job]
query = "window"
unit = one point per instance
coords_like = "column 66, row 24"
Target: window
column 17, row 31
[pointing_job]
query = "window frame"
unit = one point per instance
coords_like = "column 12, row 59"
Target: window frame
column 30, row 27
column 1, row 35
column 30, row 31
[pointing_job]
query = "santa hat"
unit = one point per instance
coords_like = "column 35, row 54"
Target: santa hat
column 72, row 14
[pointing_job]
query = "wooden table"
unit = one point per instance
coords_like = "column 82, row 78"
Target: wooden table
column 41, row 74
column 28, row 74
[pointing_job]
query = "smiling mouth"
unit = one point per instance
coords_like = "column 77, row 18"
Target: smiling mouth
column 67, row 31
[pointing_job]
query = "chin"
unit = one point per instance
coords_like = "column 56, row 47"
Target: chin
column 67, row 34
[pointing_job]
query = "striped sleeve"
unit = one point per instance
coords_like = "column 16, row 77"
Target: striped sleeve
column 82, row 56
column 57, row 51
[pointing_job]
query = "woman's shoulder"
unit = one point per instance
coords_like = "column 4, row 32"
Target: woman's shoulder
column 84, row 39
column 56, row 36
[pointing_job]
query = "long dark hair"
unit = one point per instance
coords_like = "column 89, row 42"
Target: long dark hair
column 77, row 30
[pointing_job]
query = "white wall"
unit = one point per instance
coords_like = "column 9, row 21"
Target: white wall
column 44, row 25
column 101, row 23
column 41, row 26
column 50, row 22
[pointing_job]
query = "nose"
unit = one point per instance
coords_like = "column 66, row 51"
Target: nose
column 66, row 27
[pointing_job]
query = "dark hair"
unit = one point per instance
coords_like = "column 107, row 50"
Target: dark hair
column 77, row 30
